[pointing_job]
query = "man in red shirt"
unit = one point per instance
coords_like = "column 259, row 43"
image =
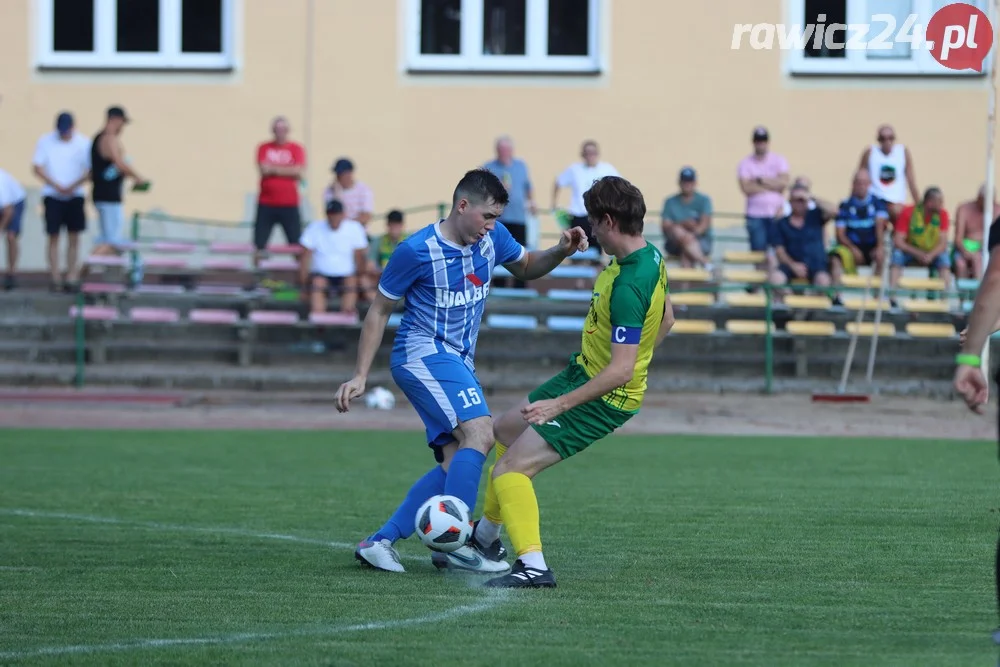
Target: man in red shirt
column 281, row 163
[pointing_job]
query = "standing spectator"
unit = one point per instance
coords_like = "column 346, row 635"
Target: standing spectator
column 281, row 164
column 861, row 223
column 579, row 176
column 687, row 221
column 922, row 237
column 967, row 257
column 11, row 212
column 799, row 244
column 763, row 176
column 334, row 258
column 62, row 163
column 110, row 168
column 357, row 198
column 888, row 163
column 513, row 173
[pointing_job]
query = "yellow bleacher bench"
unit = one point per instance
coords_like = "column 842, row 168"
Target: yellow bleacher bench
column 692, row 299
column 681, row 274
column 693, row 327
column 744, row 276
column 805, row 302
column 744, row 300
column 748, row 327
column 924, row 306
column 930, row 330
column 810, row 328
column 743, row 257
column 885, row 329
column 855, row 281
column 932, row 284
column 871, row 303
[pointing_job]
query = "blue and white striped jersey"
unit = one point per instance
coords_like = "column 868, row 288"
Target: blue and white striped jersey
column 445, row 286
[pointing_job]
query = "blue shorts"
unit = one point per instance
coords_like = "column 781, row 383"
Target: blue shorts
column 111, row 221
column 900, row 258
column 759, row 232
column 444, row 392
column 14, row 227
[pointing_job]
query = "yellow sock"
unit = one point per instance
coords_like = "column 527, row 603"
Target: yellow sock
column 491, row 506
column 519, row 508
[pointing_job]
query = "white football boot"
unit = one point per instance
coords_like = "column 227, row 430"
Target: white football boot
column 380, row 555
column 469, row 558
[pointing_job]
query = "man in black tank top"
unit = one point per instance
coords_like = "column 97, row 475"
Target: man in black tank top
column 970, row 381
column 110, row 168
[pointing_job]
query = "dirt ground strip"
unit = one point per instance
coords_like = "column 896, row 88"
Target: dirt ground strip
column 730, row 414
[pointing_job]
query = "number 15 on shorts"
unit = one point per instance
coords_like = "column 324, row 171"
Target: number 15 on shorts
column 470, row 397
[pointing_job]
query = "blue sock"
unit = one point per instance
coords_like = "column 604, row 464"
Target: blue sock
column 401, row 524
column 463, row 476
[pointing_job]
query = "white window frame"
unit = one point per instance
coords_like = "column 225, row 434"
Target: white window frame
column 857, row 63
column 104, row 55
column 472, row 59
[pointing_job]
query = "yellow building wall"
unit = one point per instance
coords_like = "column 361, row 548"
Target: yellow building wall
column 674, row 93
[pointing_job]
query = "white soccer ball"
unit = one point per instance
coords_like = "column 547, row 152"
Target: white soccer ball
column 443, row 523
column 380, row 398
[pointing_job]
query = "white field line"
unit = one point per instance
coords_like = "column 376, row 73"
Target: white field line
column 493, row 597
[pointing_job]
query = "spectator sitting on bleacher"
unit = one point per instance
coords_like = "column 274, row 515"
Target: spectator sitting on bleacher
column 11, row 211
column 921, row 237
column 798, row 242
column 357, row 198
column 786, row 207
column 334, row 257
column 861, row 224
column 967, row 256
column 687, row 220
column 381, row 249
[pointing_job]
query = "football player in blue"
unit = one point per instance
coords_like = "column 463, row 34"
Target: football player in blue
column 443, row 274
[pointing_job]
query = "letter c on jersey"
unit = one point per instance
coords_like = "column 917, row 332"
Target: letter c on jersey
column 619, row 334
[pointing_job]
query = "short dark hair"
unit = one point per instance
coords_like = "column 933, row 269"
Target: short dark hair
column 616, row 197
column 395, row 215
column 481, row 186
column 932, row 191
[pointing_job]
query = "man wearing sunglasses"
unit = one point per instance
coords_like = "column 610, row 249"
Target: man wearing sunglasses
column 799, row 246
column 891, row 167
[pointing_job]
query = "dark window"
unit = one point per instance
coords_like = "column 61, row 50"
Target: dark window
column 201, row 26
column 441, row 26
column 138, row 26
column 569, row 22
column 503, row 27
column 835, row 11
column 73, row 25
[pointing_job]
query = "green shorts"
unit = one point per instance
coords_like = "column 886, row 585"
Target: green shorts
column 573, row 431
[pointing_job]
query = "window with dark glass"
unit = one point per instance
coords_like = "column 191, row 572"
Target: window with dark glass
column 138, row 29
column 569, row 27
column 440, row 26
column 504, row 27
column 72, row 25
column 201, row 26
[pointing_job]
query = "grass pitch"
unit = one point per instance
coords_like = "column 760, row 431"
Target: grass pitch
column 190, row 548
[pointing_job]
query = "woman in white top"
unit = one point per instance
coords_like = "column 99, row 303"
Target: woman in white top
column 579, row 176
column 888, row 163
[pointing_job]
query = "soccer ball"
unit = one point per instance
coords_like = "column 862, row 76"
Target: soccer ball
column 380, row 398
column 443, row 523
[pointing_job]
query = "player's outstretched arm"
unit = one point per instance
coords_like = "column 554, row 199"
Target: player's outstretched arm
column 371, row 338
column 538, row 263
column 617, row 373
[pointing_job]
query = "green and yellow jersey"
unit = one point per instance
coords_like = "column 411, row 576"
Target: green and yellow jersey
column 626, row 307
column 381, row 249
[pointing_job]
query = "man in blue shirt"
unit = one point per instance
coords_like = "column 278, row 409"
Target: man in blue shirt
column 443, row 272
column 513, row 173
column 861, row 223
column 798, row 242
